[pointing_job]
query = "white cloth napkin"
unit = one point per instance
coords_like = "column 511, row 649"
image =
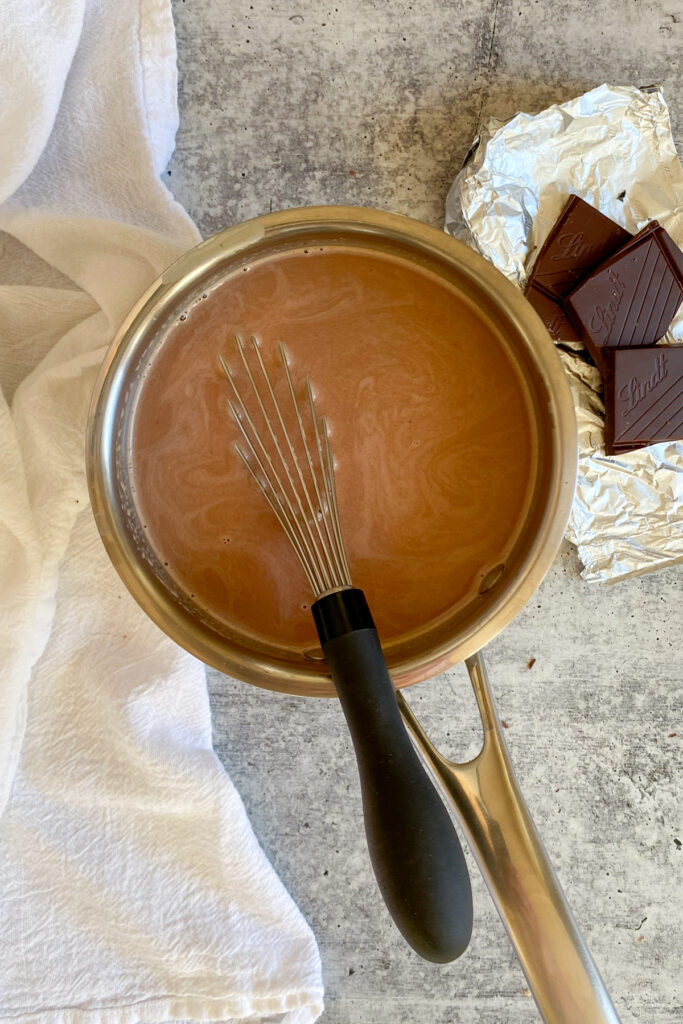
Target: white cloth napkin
column 131, row 885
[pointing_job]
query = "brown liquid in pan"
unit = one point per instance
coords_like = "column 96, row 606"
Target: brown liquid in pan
column 430, row 426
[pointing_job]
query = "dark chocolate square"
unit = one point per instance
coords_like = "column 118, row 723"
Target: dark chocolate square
column 630, row 300
column 643, row 396
column 580, row 240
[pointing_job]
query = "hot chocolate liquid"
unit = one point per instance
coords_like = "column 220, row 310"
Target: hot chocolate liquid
column 431, row 429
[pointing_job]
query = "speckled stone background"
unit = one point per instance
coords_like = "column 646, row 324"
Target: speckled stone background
column 376, row 103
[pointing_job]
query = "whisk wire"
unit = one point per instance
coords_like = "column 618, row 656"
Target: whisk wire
column 315, row 514
column 327, row 467
column 271, row 431
column 332, row 498
column 303, row 498
column 268, row 491
column 276, row 506
column 276, row 490
column 330, row 548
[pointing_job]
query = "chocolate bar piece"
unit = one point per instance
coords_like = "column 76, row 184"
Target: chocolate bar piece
column 631, row 299
column 579, row 241
column 551, row 313
column 643, row 396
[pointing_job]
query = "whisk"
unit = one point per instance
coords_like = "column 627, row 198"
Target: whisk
column 414, row 849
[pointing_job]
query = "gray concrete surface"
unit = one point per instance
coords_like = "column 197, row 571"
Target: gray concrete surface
column 374, row 103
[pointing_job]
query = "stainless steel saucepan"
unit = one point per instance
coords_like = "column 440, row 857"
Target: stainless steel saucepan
column 484, row 794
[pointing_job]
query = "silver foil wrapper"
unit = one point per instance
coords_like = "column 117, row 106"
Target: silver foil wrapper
column 613, row 147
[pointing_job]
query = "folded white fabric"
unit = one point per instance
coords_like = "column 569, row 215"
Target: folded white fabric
column 131, row 885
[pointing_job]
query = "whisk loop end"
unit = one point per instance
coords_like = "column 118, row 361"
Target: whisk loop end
column 290, row 459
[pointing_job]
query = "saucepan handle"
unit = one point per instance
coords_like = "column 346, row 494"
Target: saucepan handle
column 559, row 968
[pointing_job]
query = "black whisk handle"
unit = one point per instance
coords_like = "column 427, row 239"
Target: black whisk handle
column 415, row 851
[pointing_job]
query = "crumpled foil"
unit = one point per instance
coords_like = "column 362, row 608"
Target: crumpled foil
column 613, row 147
